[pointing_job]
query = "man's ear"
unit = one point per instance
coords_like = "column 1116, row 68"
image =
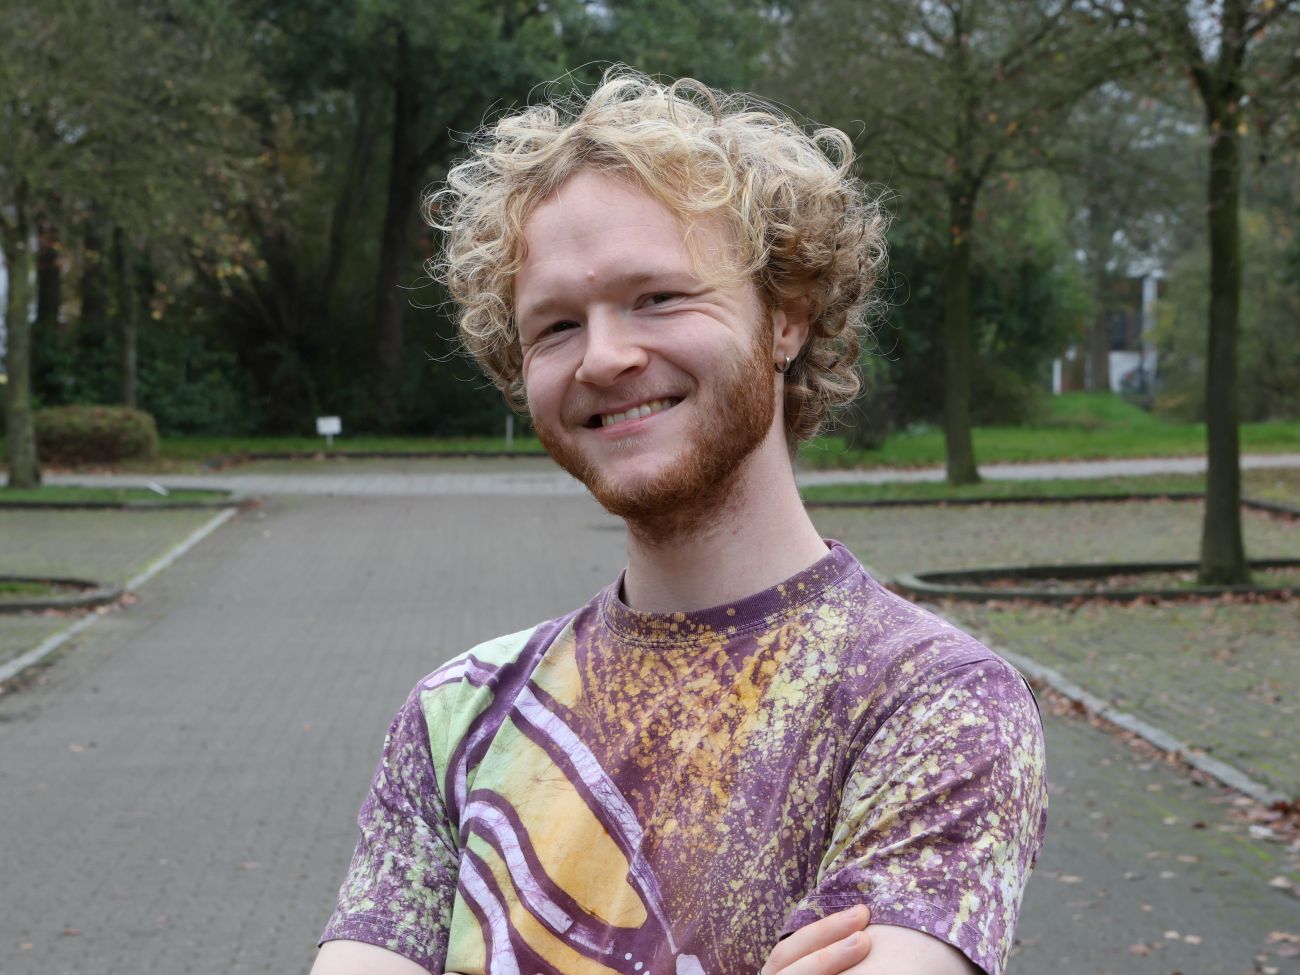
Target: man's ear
column 791, row 323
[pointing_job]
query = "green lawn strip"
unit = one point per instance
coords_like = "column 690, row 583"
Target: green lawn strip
column 14, row 589
column 1237, row 691
column 940, row 491
column 109, row 495
column 203, row 448
column 925, row 448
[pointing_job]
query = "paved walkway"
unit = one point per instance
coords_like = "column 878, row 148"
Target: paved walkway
column 543, row 479
column 177, row 791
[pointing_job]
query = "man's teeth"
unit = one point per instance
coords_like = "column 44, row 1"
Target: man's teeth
column 636, row 413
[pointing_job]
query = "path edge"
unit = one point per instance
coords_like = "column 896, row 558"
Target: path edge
column 52, row 642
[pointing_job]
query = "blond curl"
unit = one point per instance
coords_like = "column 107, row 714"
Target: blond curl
column 806, row 227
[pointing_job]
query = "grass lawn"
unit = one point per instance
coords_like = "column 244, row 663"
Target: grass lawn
column 16, row 589
column 1077, row 426
column 112, row 495
column 201, row 448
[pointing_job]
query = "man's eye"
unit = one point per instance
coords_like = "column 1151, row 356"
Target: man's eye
column 558, row 327
column 659, row 297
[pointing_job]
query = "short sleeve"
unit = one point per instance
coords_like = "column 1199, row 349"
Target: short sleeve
column 942, row 814
column 400, row 887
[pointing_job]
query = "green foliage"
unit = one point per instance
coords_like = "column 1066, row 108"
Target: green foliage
column 1027, row 298
column 1268, row 349
column 187, row 381
column 71, row 435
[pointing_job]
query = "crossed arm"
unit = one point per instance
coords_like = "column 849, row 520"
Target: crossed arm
column 841, row 944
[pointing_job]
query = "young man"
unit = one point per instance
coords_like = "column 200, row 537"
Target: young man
column 744, row 748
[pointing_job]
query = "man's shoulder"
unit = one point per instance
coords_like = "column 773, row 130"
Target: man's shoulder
column 906, row 649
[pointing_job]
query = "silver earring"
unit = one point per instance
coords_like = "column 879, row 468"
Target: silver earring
column 782, row 369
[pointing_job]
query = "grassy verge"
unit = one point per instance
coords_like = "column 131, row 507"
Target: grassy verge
column 110, row 495
column 14, row 589
column 1077, row 426
column 201, row 448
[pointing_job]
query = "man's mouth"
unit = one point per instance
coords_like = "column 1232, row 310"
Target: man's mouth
column 635, row 413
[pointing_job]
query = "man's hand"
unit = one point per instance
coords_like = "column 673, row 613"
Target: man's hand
column 826, row 947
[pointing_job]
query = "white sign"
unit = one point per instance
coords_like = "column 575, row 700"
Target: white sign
column 329, row 426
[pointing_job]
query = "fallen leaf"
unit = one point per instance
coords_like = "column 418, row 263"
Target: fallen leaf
column 1282, row 937
column 1281, row 883
column 1139, row 949
column 1069, row 878
column 1192, row 939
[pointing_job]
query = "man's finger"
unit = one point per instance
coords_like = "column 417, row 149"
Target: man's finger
column 816, row 936
column 835, row 959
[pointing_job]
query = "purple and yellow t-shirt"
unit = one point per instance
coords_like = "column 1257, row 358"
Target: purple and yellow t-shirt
column 645, row 794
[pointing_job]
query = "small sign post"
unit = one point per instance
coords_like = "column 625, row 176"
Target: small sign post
column 329, row 427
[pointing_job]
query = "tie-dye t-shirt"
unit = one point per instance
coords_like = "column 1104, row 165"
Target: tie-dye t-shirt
column 632, row 793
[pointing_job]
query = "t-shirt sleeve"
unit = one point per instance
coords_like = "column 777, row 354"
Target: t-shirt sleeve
column 400, row 887
column 942, row 814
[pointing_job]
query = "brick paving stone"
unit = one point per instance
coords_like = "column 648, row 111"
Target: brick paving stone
column 105, row 546
column 914, row 539
column 21, row 631
column 1235, row 669
column 178, row 788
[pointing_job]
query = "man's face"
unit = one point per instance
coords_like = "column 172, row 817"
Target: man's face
column 648, row 384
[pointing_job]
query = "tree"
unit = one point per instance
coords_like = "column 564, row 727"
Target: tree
column 1240, row 56
column 112, row 109
column 951, row 93
column 1123, row 162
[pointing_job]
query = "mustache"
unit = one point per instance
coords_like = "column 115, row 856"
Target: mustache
column 588, row 404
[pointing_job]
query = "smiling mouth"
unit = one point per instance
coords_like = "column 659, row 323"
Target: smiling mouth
column 635, row 413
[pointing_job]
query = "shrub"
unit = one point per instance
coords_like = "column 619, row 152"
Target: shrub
column 71, row 435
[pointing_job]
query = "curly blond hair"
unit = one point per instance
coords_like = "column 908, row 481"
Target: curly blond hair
column 806, row 227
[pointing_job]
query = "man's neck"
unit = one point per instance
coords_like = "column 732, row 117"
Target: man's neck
column 761, row 536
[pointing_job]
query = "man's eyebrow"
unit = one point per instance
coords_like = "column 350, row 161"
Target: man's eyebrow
column 556, row 303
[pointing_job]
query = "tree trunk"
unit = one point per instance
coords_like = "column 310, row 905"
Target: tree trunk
column 1098, row 372
column 395, row 241
column 49, row 275
column 128, row 330
column 94, row 281
column 20, row 425
column 959, row 448
column 1223, row 554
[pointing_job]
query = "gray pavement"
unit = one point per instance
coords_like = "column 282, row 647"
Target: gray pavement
column 177, row 789
column 540, row 478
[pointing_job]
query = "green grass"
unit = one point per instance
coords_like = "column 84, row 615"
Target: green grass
column 1077, row 426
column 112, row 495
column 941, row 491
column 202, row 448
column 13, row 589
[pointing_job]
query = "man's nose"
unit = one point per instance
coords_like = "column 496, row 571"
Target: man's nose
column 613, row 349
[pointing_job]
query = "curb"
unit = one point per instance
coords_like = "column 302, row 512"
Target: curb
column 90, row 595
column 234, row 501
column 948, row 583
column 56, row 640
